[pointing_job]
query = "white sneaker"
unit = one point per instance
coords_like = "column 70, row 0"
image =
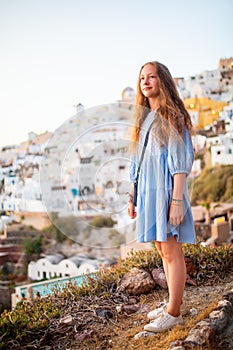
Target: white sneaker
column 164, row 322
column 152, row 315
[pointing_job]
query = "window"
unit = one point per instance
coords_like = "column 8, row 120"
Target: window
column 218, row 152
column 38, row 273
column 230, row 151
column 67, row 266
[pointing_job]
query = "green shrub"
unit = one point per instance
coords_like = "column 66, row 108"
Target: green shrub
column 33, row 246
column 213, row 185
column 102, row 221
column 26, row 317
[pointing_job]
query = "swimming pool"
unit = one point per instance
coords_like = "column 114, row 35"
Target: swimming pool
column 48, row 287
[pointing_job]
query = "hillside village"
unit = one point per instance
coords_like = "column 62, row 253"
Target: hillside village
column 81, row 170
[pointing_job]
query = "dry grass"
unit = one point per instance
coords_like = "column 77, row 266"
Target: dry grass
column 125, row 337
column 119, row 334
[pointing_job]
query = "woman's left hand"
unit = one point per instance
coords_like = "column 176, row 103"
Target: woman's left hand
column 131, row 210
column 176, row 214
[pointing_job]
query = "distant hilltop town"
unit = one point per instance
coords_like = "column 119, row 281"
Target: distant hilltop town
column 91, row 189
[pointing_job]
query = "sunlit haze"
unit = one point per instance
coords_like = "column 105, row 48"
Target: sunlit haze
column 56, row 54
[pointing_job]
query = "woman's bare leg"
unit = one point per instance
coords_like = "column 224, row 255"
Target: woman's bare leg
column 173, row 260
column 165, row 267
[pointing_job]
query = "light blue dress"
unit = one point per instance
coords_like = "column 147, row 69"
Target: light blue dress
column 155, row 184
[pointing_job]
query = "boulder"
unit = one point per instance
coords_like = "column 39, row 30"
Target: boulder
column 137, row 281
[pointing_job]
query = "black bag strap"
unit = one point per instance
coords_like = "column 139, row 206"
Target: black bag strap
column 143, row 151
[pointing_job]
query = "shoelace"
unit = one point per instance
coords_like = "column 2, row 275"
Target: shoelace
column 161, row 320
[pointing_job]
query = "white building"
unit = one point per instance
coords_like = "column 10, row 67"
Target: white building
column 20, row 172
column 222, row 150
column 216, row 84
column 227, row 116
column 205, row 84
column 53, row 266
column 86, row 181
column 199, row 142
column 22, row 194
column 222, row 154
column 214, row 140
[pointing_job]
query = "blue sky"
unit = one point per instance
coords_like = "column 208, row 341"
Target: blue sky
column 57, row 53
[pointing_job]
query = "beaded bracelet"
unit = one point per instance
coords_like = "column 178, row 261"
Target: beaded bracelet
column 177, row 200
column 177, row 204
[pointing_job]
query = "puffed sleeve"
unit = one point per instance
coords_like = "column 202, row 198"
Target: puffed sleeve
column 180, row 153
column 132, row 168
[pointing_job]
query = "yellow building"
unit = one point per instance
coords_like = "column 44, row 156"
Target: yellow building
column 203, row 110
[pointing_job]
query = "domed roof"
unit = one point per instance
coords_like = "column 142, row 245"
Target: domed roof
column 54, row 258
column 128, row 93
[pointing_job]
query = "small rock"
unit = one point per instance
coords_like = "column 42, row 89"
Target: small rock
column 137, row 281
column 159, row 277
column 200, row 334
column 133, row 300
column 131, row 309
column 143, row 334
column 104, row 313
column 176, row 345
column 119, row 308
column 193, row 311
column 67, row 320
column 219, row 320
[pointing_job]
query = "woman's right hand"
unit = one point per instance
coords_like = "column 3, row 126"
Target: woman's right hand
column 131, row 210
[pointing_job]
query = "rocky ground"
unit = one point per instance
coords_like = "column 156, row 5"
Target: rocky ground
column 110, row 321
column 199, row 302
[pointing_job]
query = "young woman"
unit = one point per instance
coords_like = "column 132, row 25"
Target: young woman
column 163, row 208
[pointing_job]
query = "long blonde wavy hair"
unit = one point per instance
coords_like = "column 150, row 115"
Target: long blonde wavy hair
column 171, row 110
